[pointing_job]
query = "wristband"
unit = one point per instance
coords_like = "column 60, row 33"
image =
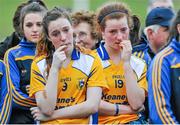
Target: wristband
column 117, row 109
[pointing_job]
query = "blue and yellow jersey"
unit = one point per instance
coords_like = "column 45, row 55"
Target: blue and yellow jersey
column 164, row 86
column 5, row 96
column 84, row 70
column 18, row 64
column 114, row 75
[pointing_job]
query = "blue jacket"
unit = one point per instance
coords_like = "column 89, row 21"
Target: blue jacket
column 143, row 51
column 18, row 61
column 5, row 96
column 164, row 85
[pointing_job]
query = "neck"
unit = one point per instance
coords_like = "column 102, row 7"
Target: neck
column 113, row 54
column 111, row 51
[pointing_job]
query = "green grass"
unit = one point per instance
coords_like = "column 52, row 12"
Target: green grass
column 8, row 7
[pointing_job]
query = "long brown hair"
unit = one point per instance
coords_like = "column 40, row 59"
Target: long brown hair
column 45, row 47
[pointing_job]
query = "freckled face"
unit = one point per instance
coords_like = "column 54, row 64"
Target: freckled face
column 115, row 31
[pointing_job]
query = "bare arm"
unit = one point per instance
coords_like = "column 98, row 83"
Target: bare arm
column 109, row 109
column 46, row 100
column 135, row 94
column 82, row 110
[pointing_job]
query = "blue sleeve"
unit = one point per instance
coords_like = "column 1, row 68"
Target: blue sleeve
column 5, row 96
column 159, row 92
column 20, row 99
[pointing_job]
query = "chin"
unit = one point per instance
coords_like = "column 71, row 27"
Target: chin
column 35, row 40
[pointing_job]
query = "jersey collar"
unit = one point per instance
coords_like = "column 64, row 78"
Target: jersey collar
column 75, row 55
column 102, row 51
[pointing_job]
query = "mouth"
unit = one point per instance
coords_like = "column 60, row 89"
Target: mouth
column 35, row 36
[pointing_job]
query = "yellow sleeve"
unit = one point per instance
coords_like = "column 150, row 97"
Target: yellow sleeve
column 142, row 81
column 97, row 77
column 37, row 82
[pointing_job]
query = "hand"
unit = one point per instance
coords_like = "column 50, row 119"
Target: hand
column 38, row 115
column 126, row 50
column 59, row 57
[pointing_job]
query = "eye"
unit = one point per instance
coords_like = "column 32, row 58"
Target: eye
column 124, row 29
column 113, row 31
column 28, row 24
column 65, row 30
column 55, row 33
column 39, row 24
column 166, row 29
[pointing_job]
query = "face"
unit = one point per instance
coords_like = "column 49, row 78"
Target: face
column 115, row 31
column 32, row 27
column 60, row 33
column 82, row 35
column 167, row 4
column 160, row 37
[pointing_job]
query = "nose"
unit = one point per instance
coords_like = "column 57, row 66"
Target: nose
column 35, row 28
column 77, row 40
column 63, row 36
column 119, row 36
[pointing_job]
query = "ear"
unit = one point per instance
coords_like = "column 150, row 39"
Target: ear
column 178, row 28
column 150, row 34
column 103, row 35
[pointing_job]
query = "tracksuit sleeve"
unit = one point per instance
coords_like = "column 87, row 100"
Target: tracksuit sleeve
column 5, row 96
column 20, row 99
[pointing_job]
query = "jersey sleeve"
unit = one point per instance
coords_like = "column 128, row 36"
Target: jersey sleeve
column 5, row 96
column 142, row 81
column 37, row 80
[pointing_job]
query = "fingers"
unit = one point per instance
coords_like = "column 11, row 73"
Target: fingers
column 27, row 88
column 126, row 44
column 35, row 112
column 62, row 48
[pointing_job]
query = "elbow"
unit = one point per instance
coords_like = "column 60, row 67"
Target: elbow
column 93, row 108
column 136, row 106
column 46, row 109
column 47, row 112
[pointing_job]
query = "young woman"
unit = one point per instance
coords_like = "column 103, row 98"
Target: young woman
column 18, row 61
column 5, row 96
column 125, row 74
column 66, row 83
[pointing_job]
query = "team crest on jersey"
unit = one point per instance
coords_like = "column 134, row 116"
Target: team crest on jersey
column 81, row 83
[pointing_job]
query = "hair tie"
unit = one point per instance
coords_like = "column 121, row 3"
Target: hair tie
column 100, row 18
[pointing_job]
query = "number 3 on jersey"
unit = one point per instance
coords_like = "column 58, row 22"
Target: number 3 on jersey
column 65, row 85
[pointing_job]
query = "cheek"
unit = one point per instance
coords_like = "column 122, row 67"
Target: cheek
column 55, row 42
column 27, row 34
column 70, row 37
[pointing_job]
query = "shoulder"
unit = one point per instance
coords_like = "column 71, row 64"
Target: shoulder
column 138, row 65
column 165, row 54
column 140, row 47
column 2, row 66
column 39, row 59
